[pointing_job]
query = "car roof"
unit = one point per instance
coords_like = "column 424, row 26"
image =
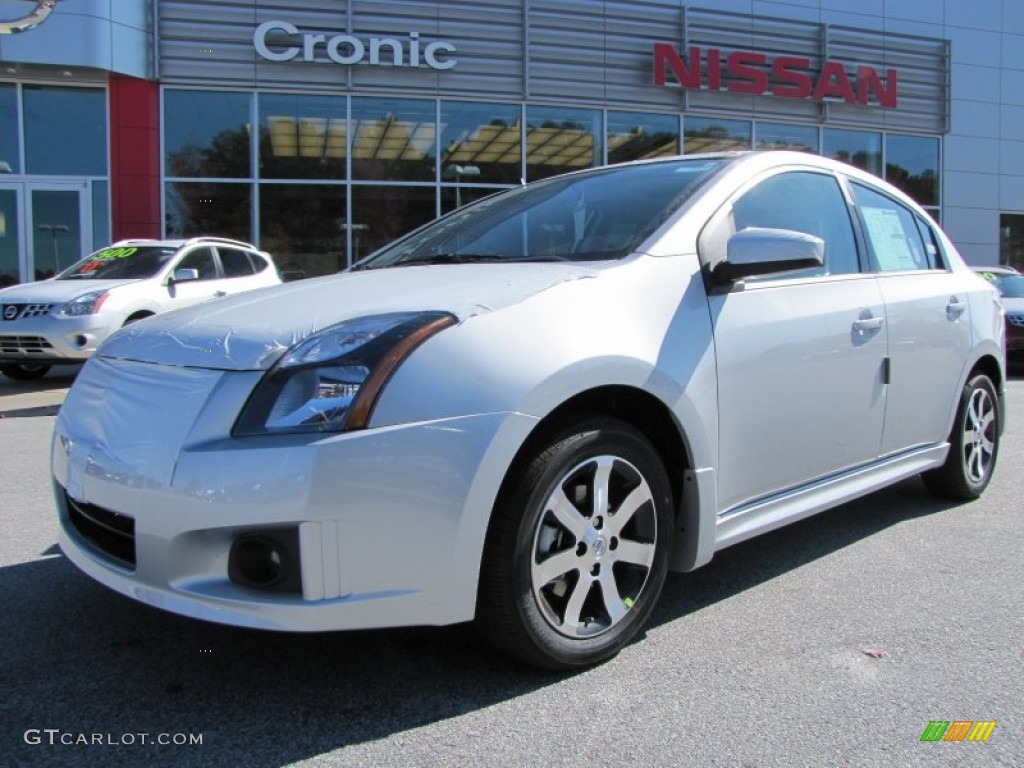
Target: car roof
column 179, row 242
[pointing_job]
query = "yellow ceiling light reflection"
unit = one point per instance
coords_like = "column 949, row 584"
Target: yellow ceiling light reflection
column 390, row 139
column 337, row 138
column 309, row 137
column 637, row 144
column 486, row 144
column 312, row 135
column 560, row 146
column 283, row 142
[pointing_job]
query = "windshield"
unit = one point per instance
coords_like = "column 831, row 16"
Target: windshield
column 595, row 216
column 123, row 263
column 1009, row 286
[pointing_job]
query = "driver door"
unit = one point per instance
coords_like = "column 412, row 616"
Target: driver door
column 800, row 355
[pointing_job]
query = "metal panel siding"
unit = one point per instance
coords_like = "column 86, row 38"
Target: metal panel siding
column 490, row 40
column 566, row 52
column 574, row 52
column 372, row 18
column 632, row 28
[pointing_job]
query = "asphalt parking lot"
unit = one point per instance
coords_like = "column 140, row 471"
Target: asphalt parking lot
column 833, row 642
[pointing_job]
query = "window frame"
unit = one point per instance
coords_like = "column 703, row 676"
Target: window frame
column 940, row 263
column 214, row 257
column 245, row 258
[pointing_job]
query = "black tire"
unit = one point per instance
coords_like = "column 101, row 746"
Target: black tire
column 973, row 444
column 24, row 371
column 567, row 621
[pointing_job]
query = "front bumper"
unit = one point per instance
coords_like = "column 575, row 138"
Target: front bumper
column 51, row 338
column 391, row 521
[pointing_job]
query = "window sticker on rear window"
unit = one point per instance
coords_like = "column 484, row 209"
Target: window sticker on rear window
column 893, row 248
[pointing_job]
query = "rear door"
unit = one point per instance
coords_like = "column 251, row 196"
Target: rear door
column 926, row 307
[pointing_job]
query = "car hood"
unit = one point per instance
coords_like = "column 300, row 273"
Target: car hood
column 252, row 330
column 55, row 291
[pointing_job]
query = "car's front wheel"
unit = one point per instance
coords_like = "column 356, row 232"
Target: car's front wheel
column 974, row 444
column 578, row 548
column 24, row 371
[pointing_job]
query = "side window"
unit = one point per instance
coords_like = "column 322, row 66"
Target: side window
column 200, row 259
column 804, row 202
column 235, row 262
column 932, row 249
column 892, row 230
column 258, row 262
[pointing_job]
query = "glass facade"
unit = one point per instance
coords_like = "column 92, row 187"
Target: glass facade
column 481, row 143
column 912, row 164
column 207, row 134
column 382, row 213
column 561, row 139
column 58, row 242
column 1011, row 240
column 54, row 177
column 801, row 138
column 638, row 136
column 860, row 148
column 208, row 208
column 10, row 236
column 302, row 137
column 65, row 131
column 393, row 139
column 709, row 134
column 332, row 178
column 305, row 224
column 10, row 156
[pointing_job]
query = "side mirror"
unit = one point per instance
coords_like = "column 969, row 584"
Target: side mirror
column 761, row 251
column 184, row 276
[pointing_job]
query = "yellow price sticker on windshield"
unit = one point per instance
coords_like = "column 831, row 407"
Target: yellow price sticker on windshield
column 110, row 254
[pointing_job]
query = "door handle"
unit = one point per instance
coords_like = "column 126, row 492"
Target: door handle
column 868, row 324
column 955, row 308
column 220, row 294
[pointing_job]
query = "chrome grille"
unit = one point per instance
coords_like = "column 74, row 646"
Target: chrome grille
column 24, row 311
column 1017, row 320
column 27, row 346
column 36, row 310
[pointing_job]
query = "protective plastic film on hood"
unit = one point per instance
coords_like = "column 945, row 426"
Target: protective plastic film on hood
column 126, row 422
column 252, row 330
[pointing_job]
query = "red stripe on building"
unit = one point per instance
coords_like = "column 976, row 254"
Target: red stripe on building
column 134, row 157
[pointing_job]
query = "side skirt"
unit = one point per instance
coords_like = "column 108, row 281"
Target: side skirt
column 745, row 522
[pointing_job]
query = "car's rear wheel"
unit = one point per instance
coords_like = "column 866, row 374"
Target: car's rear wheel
column 24, row 371
column 974, row 444
column 578, row 549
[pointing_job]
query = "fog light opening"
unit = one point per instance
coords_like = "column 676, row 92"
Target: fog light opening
column 258, row 561
column 81, row 340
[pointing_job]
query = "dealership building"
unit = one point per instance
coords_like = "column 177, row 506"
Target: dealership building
column 322, row 130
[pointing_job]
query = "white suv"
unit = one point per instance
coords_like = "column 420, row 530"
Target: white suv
column 64, row 319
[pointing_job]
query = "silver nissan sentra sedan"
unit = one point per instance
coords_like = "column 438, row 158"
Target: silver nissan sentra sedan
column 529, row 411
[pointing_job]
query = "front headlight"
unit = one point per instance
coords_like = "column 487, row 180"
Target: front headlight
column 86, row 304
column 330, row 381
